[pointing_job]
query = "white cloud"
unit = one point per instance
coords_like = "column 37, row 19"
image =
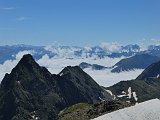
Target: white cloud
column 6, row 67
column 23, row 18
column 8, row 8
column 145, row 43
column 88, row 48
column 62, row 52
column 155, row 41
column 20, row 54
column 103, row 77
column 55, row 65
column 107, row 78
column 142, row 44
column 111, row 47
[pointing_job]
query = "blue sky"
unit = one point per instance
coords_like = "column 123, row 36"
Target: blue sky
column 79, row 22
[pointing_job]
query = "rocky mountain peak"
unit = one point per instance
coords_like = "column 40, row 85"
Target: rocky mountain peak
column 25, row 73
column 152, row 71
column 27, row 60
column 31, row 90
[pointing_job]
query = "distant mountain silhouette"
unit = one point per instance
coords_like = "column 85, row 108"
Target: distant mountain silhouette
column 152, row 71
column 139, row 61
column 84, row 65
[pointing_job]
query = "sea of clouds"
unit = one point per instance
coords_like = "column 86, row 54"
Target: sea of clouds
column 55, row 65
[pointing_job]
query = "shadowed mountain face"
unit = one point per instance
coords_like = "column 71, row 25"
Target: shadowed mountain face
column 82, row 83
column 140, row 61
column 32, row 92
column 136, row 90
column 84, row 65
column 145, row 87
column 152, row 71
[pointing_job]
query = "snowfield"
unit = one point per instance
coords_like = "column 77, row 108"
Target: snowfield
column 149, row 110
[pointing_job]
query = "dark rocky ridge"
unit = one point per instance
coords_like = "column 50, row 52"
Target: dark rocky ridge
column 152, row 71
column 139, row 61
column 32, row 92
column 84, row 65
column 144, row 89
column 145, row 86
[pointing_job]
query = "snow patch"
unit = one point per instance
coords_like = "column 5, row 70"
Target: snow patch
column 158, row 76
column 120, row 96
column 135, row 96
column 110, row 92
column 101, row 99
column 61, row 74
column 149, row 110
column 18, row 82
column 129, row 93
column 124, row 94
column 111, row 47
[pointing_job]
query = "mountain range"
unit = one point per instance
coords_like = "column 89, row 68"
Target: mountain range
column 135, row 55
column 32, row 92
column 143, row 88
column 141, row 94
column 9, row 52
column 139, row 61
column 132, row 100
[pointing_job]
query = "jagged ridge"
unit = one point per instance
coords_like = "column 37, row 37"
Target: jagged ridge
column 32, row 92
